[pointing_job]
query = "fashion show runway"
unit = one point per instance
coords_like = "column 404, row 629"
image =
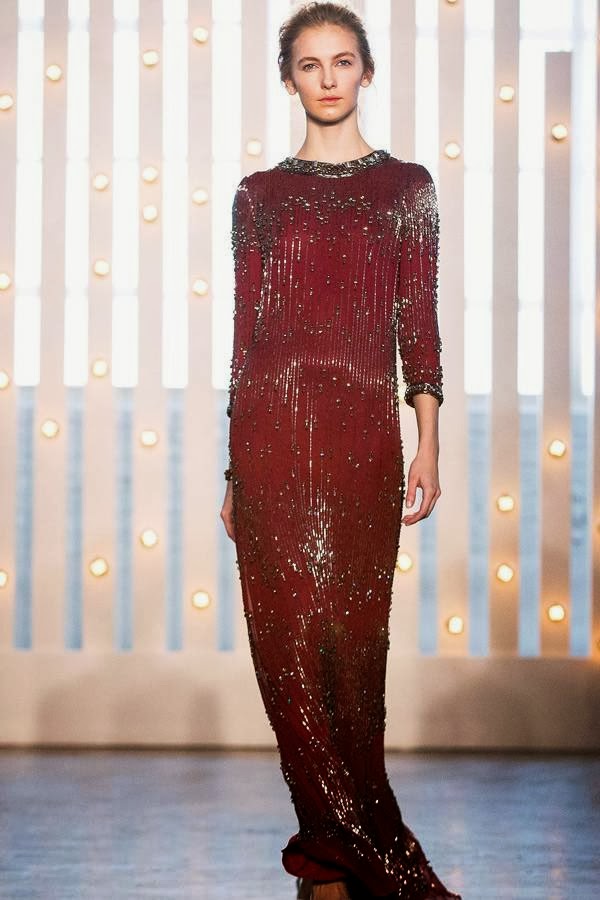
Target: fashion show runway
column 205, row 825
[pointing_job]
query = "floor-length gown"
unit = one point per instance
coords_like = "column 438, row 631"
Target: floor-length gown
column 334, row 263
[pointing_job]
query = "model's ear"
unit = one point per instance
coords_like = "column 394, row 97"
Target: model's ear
column 367, row 78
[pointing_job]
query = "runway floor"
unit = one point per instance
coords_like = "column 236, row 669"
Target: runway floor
column 210, row 825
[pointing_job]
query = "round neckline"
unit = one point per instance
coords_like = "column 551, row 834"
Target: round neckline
column 320, row 167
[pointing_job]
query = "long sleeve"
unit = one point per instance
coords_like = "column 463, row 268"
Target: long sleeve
column 418, row 333
column 247, row 260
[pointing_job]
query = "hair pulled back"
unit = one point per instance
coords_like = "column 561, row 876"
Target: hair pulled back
column 314, row 15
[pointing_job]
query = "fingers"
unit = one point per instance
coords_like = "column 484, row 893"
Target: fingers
column 227, row 519
column 430, row 494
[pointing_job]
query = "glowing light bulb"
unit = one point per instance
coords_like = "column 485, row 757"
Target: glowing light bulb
column 54, row 72
column 506, row 93
column 98, row 567
column 505, row 503
column 50, row 428
column 149, row 538
column 557, row 448
column 99, row 368
column 101, row 267
column 455, row 625
column 200, row 196
column 254, row 147
column 150, row 213
column 149, row 438
column 200, row 287
column 200, row 599
column 150, row 174
column 559, row 132
column 150, row 58
column 505, row 573
column 100, row 181
column 452, row 150
column 404, row 562
column 556, row 612
column 200, row 35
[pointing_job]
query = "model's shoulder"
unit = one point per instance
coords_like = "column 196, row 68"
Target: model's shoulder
column 410, row 172
column 255, row 180
column 253, row 185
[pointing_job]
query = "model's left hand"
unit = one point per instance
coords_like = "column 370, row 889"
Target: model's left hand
column 423, row 473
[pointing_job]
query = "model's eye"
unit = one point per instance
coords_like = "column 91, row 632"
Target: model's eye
column 305, row 67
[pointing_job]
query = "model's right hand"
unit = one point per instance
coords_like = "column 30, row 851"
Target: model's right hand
column 227, row 511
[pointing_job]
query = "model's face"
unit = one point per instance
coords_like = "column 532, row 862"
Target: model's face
column 326, row 63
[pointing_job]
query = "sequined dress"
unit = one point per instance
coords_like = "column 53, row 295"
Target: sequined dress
column 335, row 264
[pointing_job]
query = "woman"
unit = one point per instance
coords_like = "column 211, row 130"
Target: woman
column 335, row 255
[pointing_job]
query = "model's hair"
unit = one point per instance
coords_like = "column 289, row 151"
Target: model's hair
column 313, row 15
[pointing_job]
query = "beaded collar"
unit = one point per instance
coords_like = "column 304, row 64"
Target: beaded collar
column 332, row 169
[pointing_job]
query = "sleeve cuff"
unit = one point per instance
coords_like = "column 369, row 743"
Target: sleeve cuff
column 423, row 387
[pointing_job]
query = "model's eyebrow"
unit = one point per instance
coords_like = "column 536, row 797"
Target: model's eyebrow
column 343, row 53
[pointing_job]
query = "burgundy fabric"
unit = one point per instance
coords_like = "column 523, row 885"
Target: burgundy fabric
column 334, row 269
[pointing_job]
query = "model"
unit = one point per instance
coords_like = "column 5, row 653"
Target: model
column 335, row 254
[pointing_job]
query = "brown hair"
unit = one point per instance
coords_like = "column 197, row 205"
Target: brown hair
column 313, row 15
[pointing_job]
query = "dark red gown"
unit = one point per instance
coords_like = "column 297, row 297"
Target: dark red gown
column 334, row 263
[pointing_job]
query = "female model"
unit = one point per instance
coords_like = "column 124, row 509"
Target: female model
column 335, row 260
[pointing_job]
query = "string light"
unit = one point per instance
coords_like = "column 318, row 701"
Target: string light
column 98, row 567
column 200, row 599
column 455, row 625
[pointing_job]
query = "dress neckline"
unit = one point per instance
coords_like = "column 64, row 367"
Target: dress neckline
column 333, row 169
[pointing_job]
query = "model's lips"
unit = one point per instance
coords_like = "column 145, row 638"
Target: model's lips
column 329, row 99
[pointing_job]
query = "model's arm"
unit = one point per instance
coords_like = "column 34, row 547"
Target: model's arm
column 247, row 281
column 418, row 333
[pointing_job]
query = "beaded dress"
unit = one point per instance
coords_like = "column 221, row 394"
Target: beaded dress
column 335, row 265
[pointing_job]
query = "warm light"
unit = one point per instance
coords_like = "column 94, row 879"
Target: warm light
column 556, row 612
column 404, row 562
column 101, row 267
column 149, row 438
column 455, row 625
column 200, row 287
column 150, row 174
column 54, row 72
column 200, row 599
column 5, row 281
column 150, row 213
column 6, row 101
column 149, row 538
column 4, row 380
column 254, row 147
column 99, row 368
column 505, row 503
column 559, row 131
column 452, row 150
column 200, row 34
column 505, row 573
column 98, row 567
column 3, row 578
column 506, row 93
column 150, row 57
column 200, row 196
column 100, row 181
column 557, row 448
column 50, row 428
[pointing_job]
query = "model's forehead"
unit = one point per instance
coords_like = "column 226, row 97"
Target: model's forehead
column 326, row 41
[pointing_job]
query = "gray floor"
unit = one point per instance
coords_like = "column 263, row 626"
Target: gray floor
column 113, row 825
